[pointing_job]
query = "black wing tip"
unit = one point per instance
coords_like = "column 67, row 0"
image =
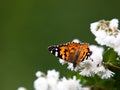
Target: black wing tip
column 50, row 48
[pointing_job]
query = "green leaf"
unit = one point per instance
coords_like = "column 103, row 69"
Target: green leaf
column 116, row 78
column 112, row 60
column 110, row 55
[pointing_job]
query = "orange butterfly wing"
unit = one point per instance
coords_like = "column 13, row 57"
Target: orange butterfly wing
column 71, row 52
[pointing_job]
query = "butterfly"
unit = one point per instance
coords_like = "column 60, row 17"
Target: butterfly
column 71, row 52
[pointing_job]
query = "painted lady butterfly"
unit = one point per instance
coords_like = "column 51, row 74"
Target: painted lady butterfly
column 72, row 52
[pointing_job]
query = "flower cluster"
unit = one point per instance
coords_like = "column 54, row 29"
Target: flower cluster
column 91, row 66
column 107, row 33
column 51, row 81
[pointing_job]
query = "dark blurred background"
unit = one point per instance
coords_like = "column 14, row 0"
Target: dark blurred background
column 28, row 27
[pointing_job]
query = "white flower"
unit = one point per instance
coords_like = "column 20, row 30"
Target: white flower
column 52, row 74
column 21, row 88
column 106, row 74
column 69, row 84
column 95, row 66
column 62, row 61
column 107, row 33
column 99, row 68
column 76, row 40
column 96, row 54
column 117, row 49
column 114, row 24
column 86, row 68
column 86, row 88
column 41, row 84
column 70, row 67
column 51, row 81
column 39, row 74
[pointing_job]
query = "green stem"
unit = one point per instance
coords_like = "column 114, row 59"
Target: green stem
column 112, row 65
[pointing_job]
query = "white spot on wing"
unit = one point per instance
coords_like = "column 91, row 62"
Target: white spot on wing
column 51, row 51
column 56, row 49
column 56, row 53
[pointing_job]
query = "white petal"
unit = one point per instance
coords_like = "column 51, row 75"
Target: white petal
column 41, row 84
column 21, row 88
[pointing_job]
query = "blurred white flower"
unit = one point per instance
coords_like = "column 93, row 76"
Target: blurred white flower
column 62, row 61
column 106, row 74
column 87, row 68
column 52, row 82
column 114, row 24
column 70, row 66
column 53, row 74
column 41, row 84
column 76, row 40
column 39, row 74
column 107, row 33
column 52, row 79
column 86, row 88
column 21, row 88
column 69, row 84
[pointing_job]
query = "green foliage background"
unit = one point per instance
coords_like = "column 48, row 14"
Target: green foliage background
column 28, row 27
